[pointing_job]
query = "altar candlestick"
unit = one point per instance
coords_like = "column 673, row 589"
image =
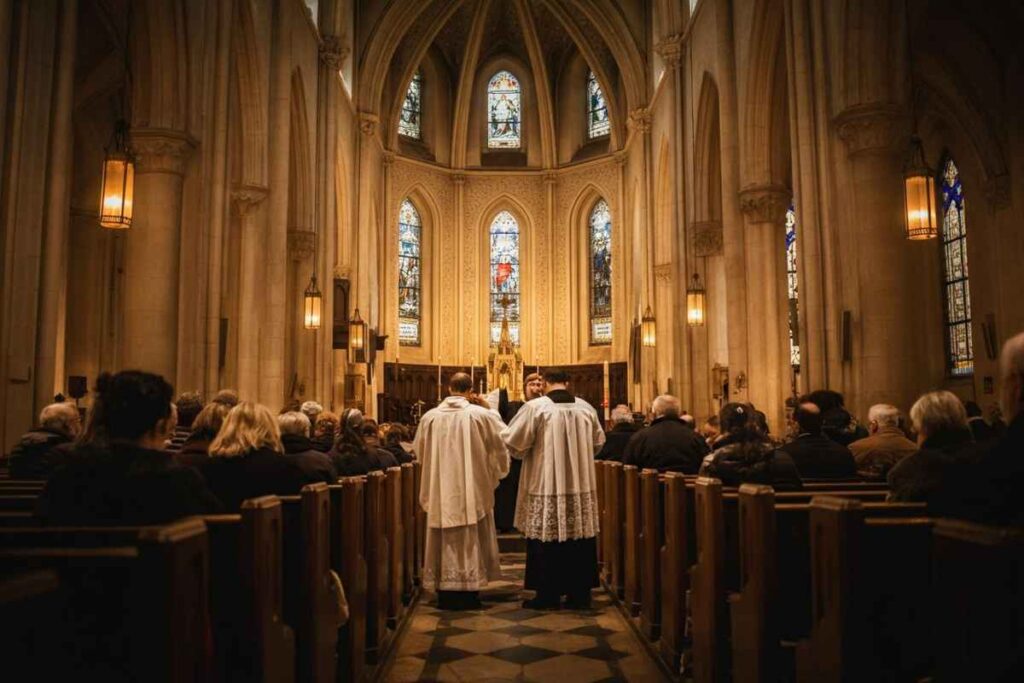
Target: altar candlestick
column 439, row 379
column 472, row 372
column 606, row 392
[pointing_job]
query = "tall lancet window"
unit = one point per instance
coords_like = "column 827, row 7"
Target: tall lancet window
column 409, row 274
column 793, row 290
column 959, row 341
column 597, row 109
column 504, row 275
column 504, row 111
column 601, row 274
column 412, row 108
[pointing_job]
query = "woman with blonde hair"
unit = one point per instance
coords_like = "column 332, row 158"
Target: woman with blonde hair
column 246, row 458
column 194, row 452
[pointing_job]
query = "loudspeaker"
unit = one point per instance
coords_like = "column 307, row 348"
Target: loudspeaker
column 846, row 338
column 988, row 329
column 77, row 386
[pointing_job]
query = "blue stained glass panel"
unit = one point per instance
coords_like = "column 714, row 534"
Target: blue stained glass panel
column 956, row 285
column 412, row 108
column 409, row 274
column 598, row 123
column 601, row 274
column 504, row 111
column 504, row 275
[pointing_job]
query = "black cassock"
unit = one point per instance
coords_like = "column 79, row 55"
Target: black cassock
column 508, row 488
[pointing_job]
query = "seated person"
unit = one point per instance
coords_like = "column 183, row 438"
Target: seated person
column 194, row 452
column 981, row 429
column 837, row 423
column 876, row 454
column 315, row 466
column 247, row 459
column 815, row 455
column 393, row 435
column 623, row 429
column 946, row 445
column 350, row 455
column 371, row 437
column 42, row 450
column 669, row 444
column 325, row 428
column 118, row 473
column 188, row 406
column 744, row 454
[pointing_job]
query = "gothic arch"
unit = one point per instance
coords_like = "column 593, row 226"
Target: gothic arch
column 430, row 217
column 160, row 85
column 251, row 98
column 579, row 222
column 506, row 202
column 764, row 122
column 708, row 154
column 300, row 183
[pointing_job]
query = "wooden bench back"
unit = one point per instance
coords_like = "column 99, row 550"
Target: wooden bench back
column 651, row 539
column 376, row 552
column 393, row 529
column 410, row 503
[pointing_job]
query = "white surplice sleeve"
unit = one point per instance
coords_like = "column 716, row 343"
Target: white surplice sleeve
column 496, row 451
column 521, row 433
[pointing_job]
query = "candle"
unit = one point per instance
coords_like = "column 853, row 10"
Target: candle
column 472, row 371
column 439, row 379
column 606, row 401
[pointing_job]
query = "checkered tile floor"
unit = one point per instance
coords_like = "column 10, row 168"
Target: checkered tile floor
column 504, row 642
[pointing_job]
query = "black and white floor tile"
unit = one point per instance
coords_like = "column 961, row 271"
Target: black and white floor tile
column 505, row 642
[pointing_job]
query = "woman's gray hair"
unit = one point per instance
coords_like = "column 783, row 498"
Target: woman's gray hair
column 938, row 411
column 621, row 413
column 293, row 422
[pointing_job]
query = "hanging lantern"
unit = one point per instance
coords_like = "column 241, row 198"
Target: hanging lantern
column 312, row 305
column 356, row 334
column 696, row 303
column 118, row 186
column 919, row 194
column 648, row 334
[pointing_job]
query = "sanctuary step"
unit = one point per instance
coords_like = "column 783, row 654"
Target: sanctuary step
column 513, row 542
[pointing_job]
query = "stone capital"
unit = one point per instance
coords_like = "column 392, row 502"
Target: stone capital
column 671, row 51
column 333, row 51
column 663, row 273
column 707, row 238
column 874, row 129
column 621, row 157
column 368, row 123
column 246, row 198
column 997, row 191
column 161, row 150
column 301, row 243
column 388, row 157
column 765, row 203
column 640, row 120
column 459, row 178
column 550, row 178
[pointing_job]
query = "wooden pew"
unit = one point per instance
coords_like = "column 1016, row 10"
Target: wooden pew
column 613, row 527
column 18, row 518
column 348, row 561
column 650, row 543
column 979, row 601
column 132, row 602
column 252, row 642
column 870, row 596
column 674, row 576
column 395, row 543
column 376, row 552
column 599, row 470
column 632, row 529
column 310, row 602
column 410, row 504
column 18, row 502
column 421, row 524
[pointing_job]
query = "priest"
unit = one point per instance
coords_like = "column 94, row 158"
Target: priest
column 459, row 443
column 556, row 437
column 505, row 497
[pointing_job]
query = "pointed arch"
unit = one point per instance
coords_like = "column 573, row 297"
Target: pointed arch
column 764, row 161
column 956, row 284
column 251, row 97
column 300, row 199
column 410, row 273
column 708, row 154
column 492, row 260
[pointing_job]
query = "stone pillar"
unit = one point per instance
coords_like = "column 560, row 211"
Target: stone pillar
column 301, row 347
column 459, row 181
column 49, row 376
column 884, row 352
column 248, row 200
column 639, row 124
column 150, row 305
column 764, row 213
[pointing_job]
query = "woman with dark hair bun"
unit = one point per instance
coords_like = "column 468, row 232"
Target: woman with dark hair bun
column 119, row 472
column 744, row 454
column 351, row 454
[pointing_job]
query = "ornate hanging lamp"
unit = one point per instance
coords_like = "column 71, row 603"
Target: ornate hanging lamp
column 696, row 302
column 648, row 328
column 919, row 194
column 356, row 334
column 312, row 303
column 118, row 185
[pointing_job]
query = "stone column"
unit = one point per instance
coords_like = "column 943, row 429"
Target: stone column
column 150, row 304
column 459, row 181
column 49, row 375
column 248, row 200
column 764, row 213
column 639, row 124
column 301, row 347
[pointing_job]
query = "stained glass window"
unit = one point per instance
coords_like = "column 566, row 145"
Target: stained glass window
column 959, row 341
column 601, row 274
column 409, row 274
column 504, row 275
column 597, row 109
column 412, row 108
column 793, row 289
column 504, row 111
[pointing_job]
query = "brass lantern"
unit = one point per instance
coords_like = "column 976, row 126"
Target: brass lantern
column 648, row 333
column 696, row 303
column 919, row 194
column 118, row 186
column 312, row 304
column 356, row 334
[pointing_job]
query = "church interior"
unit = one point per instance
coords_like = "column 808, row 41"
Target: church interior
column 351, row 202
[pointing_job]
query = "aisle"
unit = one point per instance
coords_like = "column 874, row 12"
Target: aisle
column 504, row 642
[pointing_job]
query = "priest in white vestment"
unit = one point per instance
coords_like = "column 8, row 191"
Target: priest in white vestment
column 556, row 437
column 459, row 443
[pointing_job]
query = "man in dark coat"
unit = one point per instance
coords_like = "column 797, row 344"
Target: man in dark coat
column 817, row 456
column 42, row 450
column 623, row 429
column 298, row 448
column 508, row 488
column 189, row 405
column 980, row 429
column 836, row 422
column 669, row 444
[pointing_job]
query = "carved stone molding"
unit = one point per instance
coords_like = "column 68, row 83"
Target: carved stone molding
column 301, row 244
column 671, row 51
column 707, row 238
column 997, row 191
column 334, row 51
column 368, row 123
column 246, row 198
column 459, row 178
column 161, row 150
column 765, row 203
column 550, row 178
column 873, row 128
column 621, row 157
column 663, row 273
column 342, row 272
column 640, row 120
column 388, row 158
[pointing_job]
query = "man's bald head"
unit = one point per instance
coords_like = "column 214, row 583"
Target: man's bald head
column 62, row 418
column 460, row 383
column 666, row 405
column 808, row 418
column 1011, row 370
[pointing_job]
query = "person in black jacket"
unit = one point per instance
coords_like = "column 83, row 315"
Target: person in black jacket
column 816, row 456
column 392, row 436
column 315, row 466
column 247, row 459
column 119, row 474
column 350, row 455
column 616, row 440
column 744, row 454
column 836, row 422
column 669, row 444
column 42, row 450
